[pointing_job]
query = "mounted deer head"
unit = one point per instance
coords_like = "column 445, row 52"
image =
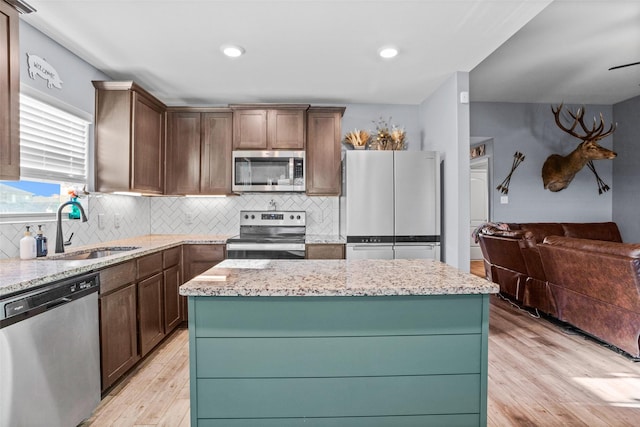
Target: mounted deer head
column 557, row 170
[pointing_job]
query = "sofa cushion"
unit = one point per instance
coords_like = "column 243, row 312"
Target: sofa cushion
column 631, row 250
column 507, row 265
column 540, row 230
column 595, row 230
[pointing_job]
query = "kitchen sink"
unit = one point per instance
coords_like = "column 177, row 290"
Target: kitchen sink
column 92, row 253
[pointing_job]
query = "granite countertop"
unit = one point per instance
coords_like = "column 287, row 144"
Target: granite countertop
column 17, row 274
column 334, row 278
column 324, row 239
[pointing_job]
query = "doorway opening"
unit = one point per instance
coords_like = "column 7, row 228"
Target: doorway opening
column 480, row 183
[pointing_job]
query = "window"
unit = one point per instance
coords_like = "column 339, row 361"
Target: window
column 53, row 159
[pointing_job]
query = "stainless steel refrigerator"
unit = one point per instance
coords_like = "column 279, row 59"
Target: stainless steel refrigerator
column 391, row 204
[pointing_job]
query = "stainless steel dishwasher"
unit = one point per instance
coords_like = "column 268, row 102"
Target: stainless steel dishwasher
column 50, row 354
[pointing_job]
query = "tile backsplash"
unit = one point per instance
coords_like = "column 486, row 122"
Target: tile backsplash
column 113, row 217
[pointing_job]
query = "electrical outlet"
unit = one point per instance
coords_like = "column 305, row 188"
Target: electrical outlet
column 504, row 200
column 188, row 217
column 116, row 220
column 101, row 221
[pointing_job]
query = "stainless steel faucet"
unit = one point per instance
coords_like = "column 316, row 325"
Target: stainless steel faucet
column 59, row 239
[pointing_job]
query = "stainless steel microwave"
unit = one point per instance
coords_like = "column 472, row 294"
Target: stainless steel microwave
column 265, row 171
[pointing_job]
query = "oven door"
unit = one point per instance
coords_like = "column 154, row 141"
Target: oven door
column 265, row 250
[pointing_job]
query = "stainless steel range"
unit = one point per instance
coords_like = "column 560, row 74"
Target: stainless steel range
column 269, row 235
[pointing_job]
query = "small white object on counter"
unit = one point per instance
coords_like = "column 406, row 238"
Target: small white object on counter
column 27, row 245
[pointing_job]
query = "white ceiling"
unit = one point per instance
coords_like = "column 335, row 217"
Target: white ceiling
column 326, row 51
column 564, row 54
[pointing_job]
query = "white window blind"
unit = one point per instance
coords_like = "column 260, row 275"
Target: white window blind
column 53, row 143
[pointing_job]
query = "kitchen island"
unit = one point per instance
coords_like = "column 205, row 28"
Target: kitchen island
column 338, row 343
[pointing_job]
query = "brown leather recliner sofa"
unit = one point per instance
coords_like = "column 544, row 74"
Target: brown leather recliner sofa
column 541, row 265
column 596, row 287
column 537, row 293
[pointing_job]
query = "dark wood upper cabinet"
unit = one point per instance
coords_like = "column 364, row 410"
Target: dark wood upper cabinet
column 286, row 129
column 215, row 153
column 250, row 129
column 182, row 172
column 272, row 127
column 323, row 172
column 198, row 151
column 9, row 90
column 129, row 139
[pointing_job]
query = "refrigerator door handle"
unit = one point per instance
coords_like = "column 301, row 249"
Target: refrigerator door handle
column 369, row 247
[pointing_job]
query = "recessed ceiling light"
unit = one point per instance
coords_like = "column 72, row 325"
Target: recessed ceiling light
column 232, row 51
column 388, row 52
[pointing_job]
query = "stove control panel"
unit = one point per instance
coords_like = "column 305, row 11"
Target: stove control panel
column 271, row 218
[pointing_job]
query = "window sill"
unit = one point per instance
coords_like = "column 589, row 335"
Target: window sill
column 18, row 218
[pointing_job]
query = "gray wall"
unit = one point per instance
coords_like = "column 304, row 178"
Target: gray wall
column 444, row 128
column 77, row 90
column 626, row 203
column 531, row 129
column 366, row 116
column 77, row 94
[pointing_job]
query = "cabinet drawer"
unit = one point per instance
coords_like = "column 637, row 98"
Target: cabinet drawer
column 171, row 257
column 200, row 258
column 117, row 276
column 325, row 251
column 150, row 264
column 205, row 252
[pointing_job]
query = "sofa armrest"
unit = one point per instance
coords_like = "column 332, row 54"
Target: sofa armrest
column 631, row 250
column 593, row 230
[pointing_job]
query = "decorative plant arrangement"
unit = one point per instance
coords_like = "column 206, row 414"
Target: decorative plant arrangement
column 387, row 136
column 358, row 138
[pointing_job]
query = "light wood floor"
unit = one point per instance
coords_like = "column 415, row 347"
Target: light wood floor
column 540, row 374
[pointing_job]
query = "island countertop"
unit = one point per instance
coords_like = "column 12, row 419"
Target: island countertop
column 369, row 277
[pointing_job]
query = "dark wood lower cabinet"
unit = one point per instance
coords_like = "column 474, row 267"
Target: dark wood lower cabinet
column 197, row 259
column 150, row 312
column 118, row 333
column 140, row 304
column 172, row 303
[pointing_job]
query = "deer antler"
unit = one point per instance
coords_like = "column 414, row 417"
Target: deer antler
column 558, row 171
column 596, row 133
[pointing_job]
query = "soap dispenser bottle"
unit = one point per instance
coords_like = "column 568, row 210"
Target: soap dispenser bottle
column 27, row 245
column 41, row 243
